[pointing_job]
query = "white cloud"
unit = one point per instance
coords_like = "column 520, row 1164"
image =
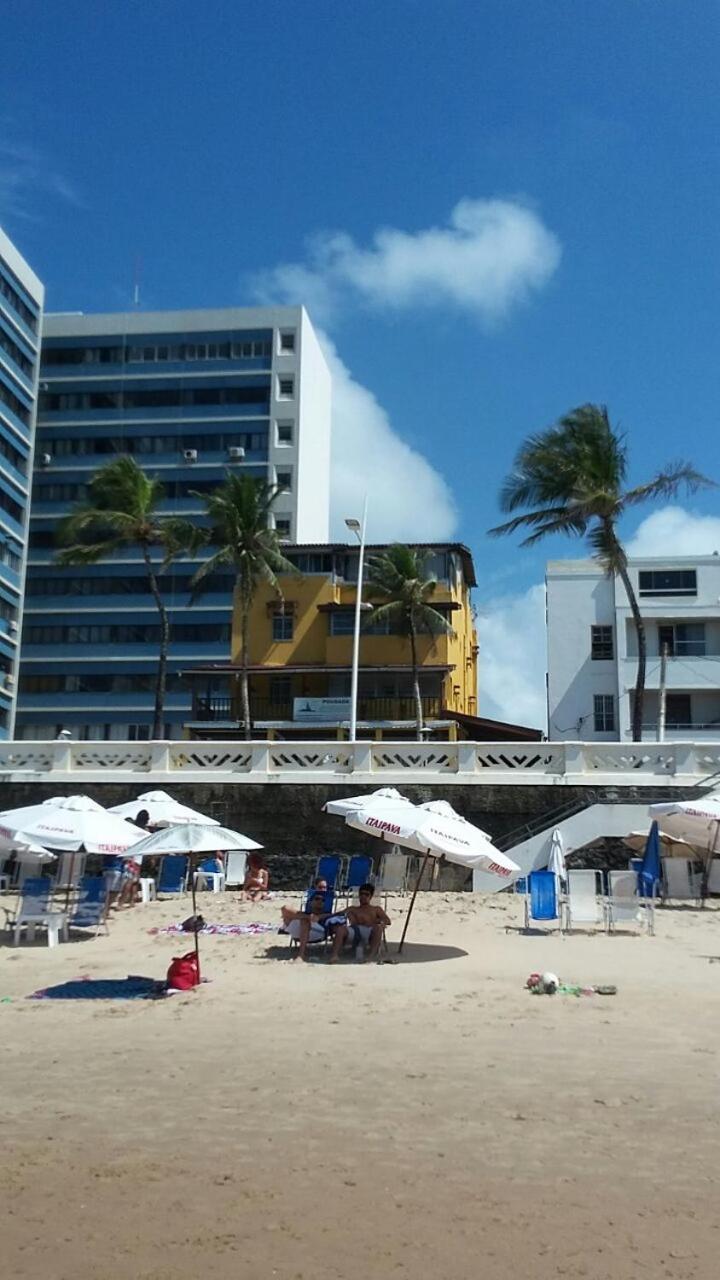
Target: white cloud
column 492, row 255
column 407, row 498
column 512, row 662
column 673, row 531
column 26, row 179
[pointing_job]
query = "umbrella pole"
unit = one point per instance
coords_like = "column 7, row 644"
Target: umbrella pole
column 194, row 911
column 707, row 865
column 412, row 901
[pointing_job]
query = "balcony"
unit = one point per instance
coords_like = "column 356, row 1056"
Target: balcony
column 222, row 708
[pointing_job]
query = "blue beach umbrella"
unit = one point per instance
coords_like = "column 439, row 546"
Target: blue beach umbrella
column 650, row 868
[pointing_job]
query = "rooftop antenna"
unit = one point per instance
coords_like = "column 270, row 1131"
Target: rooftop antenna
column 136, row 286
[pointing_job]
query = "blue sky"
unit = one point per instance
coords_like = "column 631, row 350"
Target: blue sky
column 203, row 147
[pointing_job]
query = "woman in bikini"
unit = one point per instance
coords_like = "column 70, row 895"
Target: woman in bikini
column 255, row 885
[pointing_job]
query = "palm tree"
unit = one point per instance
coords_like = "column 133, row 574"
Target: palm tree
column 397, row 576
column 239, row 511
column 572, row 477
column 121, row 510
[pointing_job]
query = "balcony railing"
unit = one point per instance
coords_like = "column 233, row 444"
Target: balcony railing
column 219, row 707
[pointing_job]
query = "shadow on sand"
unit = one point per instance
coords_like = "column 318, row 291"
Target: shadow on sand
column 412, row 953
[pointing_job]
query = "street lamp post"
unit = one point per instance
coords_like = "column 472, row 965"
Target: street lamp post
column 358, row 529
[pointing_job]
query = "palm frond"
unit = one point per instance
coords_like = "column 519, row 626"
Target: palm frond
column 667, row 484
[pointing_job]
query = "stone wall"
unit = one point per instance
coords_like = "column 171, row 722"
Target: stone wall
column 288, row 820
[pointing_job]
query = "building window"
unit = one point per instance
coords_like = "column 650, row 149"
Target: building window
column 284, row 481
column 601, row 644
column 287, row 341
column 282, row 625
column 286, row 388
column 604, row 713
column 682, row 639
column 342, row 622
column 284, row 432
column 668, row 582
column 282, row 527
column 678, row 711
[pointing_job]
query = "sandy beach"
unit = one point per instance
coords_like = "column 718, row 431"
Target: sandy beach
column 424, row 1119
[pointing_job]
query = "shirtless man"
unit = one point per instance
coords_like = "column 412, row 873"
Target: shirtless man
column 366, row 922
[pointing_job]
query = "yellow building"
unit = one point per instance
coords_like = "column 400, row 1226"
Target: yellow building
column 301, row 655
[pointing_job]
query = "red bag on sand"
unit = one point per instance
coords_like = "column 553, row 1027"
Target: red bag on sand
column 183, row 972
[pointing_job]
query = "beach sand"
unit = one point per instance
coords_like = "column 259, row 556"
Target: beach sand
column 424, row 1119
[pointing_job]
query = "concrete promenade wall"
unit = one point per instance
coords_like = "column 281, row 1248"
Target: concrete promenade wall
column 289, row 822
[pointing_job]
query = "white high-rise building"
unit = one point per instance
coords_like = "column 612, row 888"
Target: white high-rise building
column 592, row 648
column 191, row 396
column 21, row 303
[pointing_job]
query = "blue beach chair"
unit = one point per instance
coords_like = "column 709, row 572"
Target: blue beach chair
column 328, row 905
column 542, row 905
column 173, row 874
column 359, row 871
column 329, row 867
column 90, row 911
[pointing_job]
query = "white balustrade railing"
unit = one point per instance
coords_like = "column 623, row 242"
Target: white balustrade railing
column 380, row 763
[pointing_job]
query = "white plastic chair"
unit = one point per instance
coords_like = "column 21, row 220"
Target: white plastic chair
column 393, row 875
column 624, row 907
column 35, row 909
column 681, row 880
column 583, row 904
column 235, row 869
column 4, row 876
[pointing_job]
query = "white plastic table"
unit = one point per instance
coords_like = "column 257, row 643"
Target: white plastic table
column 54, row 921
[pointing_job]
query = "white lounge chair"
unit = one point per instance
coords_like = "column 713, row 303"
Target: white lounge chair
column 714, row 877
column 235, row 869
column 584, row 903
column 624, row 907
column 681, row 879
column 393, row 872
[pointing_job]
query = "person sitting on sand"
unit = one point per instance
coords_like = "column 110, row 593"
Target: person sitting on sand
column 365, row 922
column 255, row 884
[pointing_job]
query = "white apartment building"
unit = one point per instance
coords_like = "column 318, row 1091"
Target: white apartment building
column 592, row 648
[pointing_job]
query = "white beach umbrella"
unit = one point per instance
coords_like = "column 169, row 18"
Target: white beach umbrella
column 435, row 830
column 352, row 803
column 670, row 846
column 697, row 821
column 69, row 823
column 556, row 861
column 194, row 838
column 163, row 810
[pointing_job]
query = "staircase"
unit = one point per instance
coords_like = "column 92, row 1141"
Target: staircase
column 578, row 827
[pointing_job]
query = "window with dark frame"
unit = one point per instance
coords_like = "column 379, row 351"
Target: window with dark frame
column 667, row 582
column 604, row 713
column 601, row 644
column 678, row 711
column 283, row 626
column 682, row 639
column 286, row 388
column 287, row 341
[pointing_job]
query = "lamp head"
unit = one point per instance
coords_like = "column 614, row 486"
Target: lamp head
column 352, row 524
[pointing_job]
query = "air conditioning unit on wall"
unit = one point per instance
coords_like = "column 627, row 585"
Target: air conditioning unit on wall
column 190, row 455
column 236, row 453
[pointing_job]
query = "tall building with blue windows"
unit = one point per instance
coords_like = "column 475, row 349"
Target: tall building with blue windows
column 190, row 395
column 21, row 303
